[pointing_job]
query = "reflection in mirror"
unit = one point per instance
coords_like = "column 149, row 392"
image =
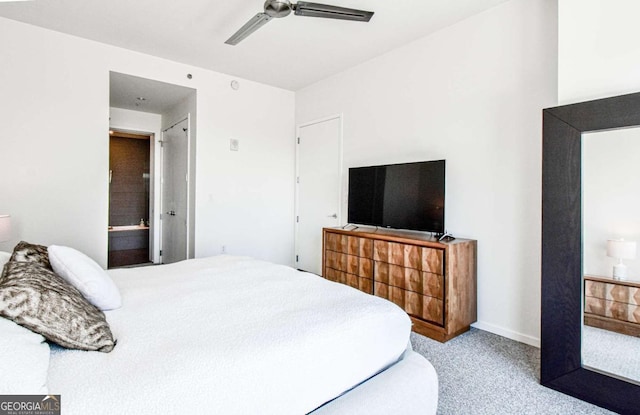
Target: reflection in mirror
column 611, row 227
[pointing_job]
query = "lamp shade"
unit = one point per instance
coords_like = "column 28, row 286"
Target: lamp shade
column 619, row 248
column 5, row 228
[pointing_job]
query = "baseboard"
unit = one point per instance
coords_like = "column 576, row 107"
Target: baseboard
column 509, row 334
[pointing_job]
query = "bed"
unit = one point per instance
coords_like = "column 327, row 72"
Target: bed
column 231, row 335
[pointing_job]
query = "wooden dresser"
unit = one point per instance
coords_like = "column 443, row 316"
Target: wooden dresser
column 434, row 282
column 612, row 304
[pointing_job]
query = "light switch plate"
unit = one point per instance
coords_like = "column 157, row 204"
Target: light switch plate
column 234, row 144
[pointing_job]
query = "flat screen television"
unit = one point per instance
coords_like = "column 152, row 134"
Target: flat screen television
column 401, row 196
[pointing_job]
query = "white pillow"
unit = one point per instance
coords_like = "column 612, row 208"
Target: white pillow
column 4, row 258
column 86, row 275
column 24, row 360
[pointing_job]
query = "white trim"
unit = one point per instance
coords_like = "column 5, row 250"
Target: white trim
column 509, row 334
column 297, row 172
column 319, row 120
column 160, row 202
column 188, row 180
column 154, row 186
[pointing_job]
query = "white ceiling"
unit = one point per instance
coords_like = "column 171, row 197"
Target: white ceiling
column 290, row 53
column 145, row 95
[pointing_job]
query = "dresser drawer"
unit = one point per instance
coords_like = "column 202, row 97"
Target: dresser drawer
column 365, row 267
column 432, row 260
column 422, row 306
column 595, row 289
column 336, row 242
column 366, row 285
column 334, row 275
column 355, row 281
column 426, row 283
column 352, row 245
column 409, row 256
column 397, row 253
column 336, row 260
column 365, row 249
column 411, row 279
column 612, row 292
column 613, row 309
column 352, row 264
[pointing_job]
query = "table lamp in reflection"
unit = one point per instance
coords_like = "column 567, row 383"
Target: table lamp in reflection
column 620, row 249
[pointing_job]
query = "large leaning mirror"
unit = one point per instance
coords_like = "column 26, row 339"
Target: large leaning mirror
column 578, row 249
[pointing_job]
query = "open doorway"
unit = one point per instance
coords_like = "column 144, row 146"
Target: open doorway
column 129, row 196
column 149, row 107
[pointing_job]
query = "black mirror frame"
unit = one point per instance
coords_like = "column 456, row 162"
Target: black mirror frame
column 561, row 332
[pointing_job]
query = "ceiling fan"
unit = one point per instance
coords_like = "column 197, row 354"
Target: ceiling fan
column 282, row 8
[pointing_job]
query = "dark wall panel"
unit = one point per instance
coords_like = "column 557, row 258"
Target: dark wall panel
column 129, row 189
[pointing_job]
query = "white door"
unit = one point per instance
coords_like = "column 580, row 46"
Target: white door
column 318, row 189
column 174, row 197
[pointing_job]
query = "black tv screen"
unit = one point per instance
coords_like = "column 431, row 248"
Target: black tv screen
column 400, row 196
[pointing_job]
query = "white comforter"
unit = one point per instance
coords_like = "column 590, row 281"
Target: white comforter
column 229, row 335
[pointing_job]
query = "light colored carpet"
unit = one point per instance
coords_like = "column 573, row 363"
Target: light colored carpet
column 611, row 352
column 484, row 374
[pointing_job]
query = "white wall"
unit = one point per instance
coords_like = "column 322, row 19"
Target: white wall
column 145, row 122
column 54, row 91
column 135, row 121
column 610, row 197
column 599, row 56
column 472, row 94
column 599, row 52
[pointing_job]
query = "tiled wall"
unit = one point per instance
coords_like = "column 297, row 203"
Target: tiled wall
column 129, row 189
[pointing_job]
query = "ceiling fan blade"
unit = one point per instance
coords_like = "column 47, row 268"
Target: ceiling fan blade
column 251, row 26
column 303, row 8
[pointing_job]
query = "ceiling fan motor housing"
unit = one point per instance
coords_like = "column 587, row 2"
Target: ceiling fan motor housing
column 277, row 8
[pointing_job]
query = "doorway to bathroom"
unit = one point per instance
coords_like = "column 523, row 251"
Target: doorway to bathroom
column 129, row 203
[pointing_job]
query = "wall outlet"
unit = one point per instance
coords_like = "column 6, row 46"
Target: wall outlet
column 234, row 144
column 223, row 250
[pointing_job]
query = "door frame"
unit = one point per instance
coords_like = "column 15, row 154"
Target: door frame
column 339, row 117
column 154, row 186
column 187, row 183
